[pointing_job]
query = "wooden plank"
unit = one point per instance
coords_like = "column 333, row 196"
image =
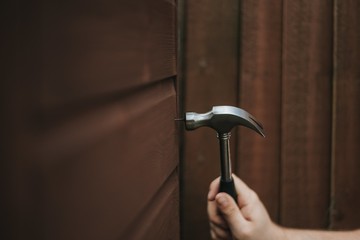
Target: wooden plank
column 95, row 172
column 7, row 58
column 346, row 138
column 89, row 127
column 160, row 219
column 211, row 61
column 16, row 51
column 96, row 49
column 306, row 113
column 258, row 162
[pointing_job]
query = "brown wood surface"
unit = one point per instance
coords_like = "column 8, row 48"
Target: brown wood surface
column 306, row 113
column 96, row 49
column 298, row 74
column 90, row 178
column 258, row 162
column 89, row 102
column 346, row 137
column 159, row 221
column 211, row 62
column 134, row 145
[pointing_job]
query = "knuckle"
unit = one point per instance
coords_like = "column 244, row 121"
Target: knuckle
column 213, row 184
column 214, row 221
column 246, row 232
column 221, row 233
column 230, row 210
column 254, row 196
column 219, row 222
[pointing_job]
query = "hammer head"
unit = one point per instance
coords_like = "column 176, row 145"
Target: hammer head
column 222, row 119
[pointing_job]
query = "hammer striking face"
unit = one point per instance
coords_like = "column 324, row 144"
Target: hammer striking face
column 222, row 119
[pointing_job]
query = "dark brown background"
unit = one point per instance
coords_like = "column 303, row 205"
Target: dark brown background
column 89, row 91
column 295, row 66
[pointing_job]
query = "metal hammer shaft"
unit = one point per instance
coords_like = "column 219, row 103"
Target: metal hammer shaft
column 226, row 182
column 225, row 159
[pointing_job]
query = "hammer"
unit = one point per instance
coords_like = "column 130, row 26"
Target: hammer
column 222, row 119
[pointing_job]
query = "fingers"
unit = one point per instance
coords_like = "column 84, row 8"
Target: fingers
column 219, row 233
column 228, row 219
column 224, row 214
column 245, row 195
column 214, row 189
column 215, row 216
column 230, row 211
column 214, row 236
column 218, row 226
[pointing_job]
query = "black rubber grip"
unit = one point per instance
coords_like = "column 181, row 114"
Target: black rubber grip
column 229, row 188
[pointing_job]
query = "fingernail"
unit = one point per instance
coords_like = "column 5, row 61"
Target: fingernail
column 222, row 201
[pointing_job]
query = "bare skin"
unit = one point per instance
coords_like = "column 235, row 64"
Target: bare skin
column 249, row 220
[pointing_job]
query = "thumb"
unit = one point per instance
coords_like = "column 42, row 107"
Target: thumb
column 230, row 211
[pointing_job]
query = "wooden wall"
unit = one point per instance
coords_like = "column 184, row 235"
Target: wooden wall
column 210, row 59
column 294, row 66
column 89, row 146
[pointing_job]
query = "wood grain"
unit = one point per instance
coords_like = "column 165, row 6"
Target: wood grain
column 101, row 48
column 346, row 142
column 160, row 219
column 103, row 168
column 258, row 162
column 211, row 62
column 90, row 176
column 89, row 103
column 306, row 113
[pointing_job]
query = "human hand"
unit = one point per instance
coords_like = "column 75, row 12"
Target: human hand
column 247, row 220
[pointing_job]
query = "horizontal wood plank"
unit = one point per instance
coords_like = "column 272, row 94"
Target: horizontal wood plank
column 101, row 168
column 160, row 219
column 89, row 130
column 84, row 50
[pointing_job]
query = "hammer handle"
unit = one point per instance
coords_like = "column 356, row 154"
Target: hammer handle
column 229, row 188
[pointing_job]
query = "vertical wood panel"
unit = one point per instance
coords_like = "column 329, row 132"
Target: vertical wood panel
column 286, row 71
column 7, row 59
column 306, row 113
column 211, row 62
column 260, row 94
column 346, row 142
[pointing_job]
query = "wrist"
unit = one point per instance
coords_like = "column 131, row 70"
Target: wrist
column 280, row 232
